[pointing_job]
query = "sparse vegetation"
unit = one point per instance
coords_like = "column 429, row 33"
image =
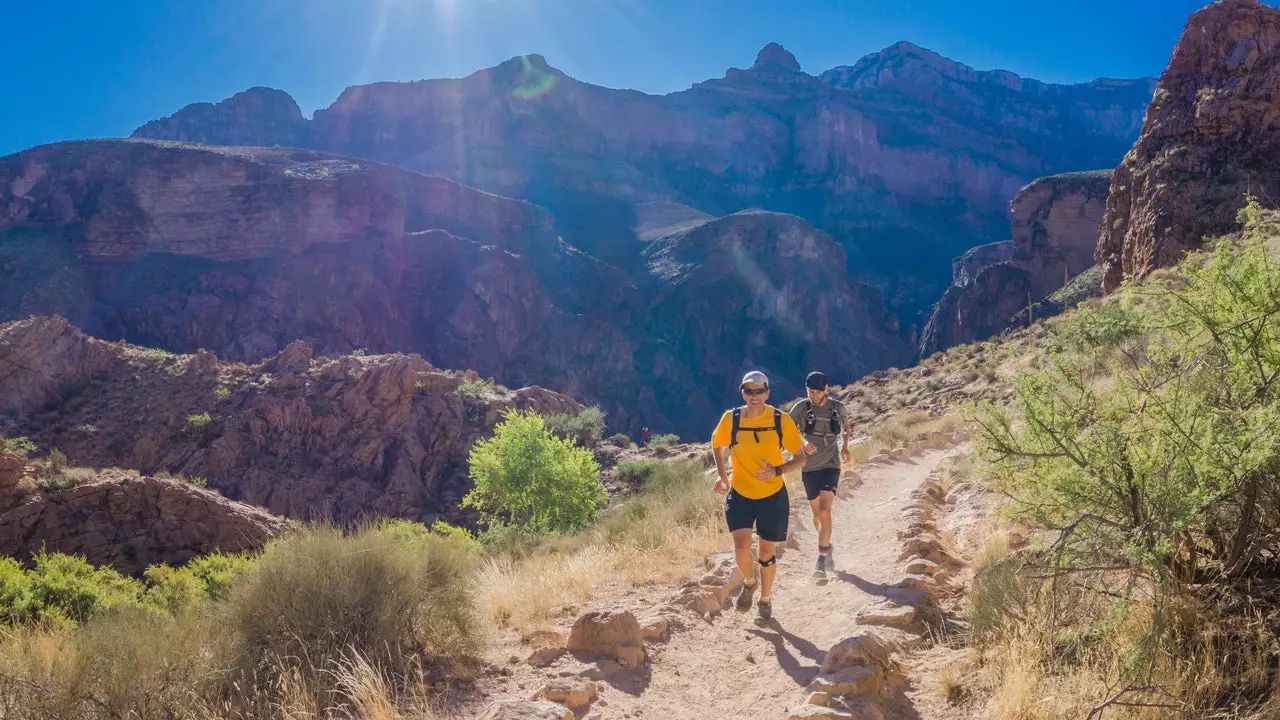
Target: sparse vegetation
column 222, row 393
column 660, row 441
column 199, row 421
column 20, row 446
column 621, row 439
column 475, row 389
column 585, row 426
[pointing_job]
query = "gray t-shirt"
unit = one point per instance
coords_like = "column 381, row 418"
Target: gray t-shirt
column 828, row 455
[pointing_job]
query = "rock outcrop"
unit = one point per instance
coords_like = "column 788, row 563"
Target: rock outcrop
column 259, row 116
column 1210, row 137
column 1055, row 223
column 896, row 156
column 241, row 251
column 129, row 522
column 339, row 437
column 965, row 269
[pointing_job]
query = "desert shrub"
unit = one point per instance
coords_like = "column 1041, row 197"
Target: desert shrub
column 475, row 389
column 127, row 664
column 1147, row 443
column 57, row 460
column 18, row 602
column 20, row 446
column 586, row 426
column 390, row 594
column 637, row 471
column 68, row 586
column 222, row 393
column 621, row 439
column 664, row 440
column 533, row 478
column 199, row 421
column 174, row 589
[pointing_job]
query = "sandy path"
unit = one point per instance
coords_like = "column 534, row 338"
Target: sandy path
column 731, row 668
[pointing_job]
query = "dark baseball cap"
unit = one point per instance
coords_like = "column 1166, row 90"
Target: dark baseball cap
column 816, row 381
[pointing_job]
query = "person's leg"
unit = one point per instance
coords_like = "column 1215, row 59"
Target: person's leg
column 816, row 509
column 772, row 527
column 742, row 554
column 823, row 512
column 740, row 514
column 769, row 571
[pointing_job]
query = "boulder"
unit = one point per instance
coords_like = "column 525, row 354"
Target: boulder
column 609, row 634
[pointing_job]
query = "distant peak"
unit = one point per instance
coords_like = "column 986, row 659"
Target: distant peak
column 774, row 55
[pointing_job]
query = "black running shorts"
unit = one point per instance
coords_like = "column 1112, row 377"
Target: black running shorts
column 816, row 481
column 768, row 515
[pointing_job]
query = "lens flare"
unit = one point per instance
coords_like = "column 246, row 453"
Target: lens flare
column 534, row 79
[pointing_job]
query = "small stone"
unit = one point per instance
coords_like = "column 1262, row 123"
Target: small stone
column 883, row 614
column 526, row 710
column 818, row 712
column 574, row 693
column 542, row 657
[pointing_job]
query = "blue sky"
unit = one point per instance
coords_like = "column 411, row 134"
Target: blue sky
column 89, row 68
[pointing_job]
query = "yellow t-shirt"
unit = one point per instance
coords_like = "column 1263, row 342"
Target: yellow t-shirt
column 757, row 445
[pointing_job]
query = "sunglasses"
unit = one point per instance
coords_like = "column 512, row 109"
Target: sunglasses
column 754, row 391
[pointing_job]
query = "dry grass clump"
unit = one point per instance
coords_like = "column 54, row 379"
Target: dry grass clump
column 323, row 624
column 657, row 536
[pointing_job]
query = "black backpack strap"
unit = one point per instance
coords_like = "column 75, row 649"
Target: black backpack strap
column 737, row 423
column 777, row 424
column 810, row 419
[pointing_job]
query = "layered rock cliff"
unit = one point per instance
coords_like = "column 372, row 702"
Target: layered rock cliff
column 1055, row 223
column 1211, row 136
column 242, row 250
column 339, row 437
column 905, row 158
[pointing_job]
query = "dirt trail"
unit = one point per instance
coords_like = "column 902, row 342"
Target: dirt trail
column 731, row 668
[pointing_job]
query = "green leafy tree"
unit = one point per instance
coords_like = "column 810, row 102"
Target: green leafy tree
column 536, row 479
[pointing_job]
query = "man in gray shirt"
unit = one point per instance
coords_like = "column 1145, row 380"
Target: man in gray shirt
column 821, row 419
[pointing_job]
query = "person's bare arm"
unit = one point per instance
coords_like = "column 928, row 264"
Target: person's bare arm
column 722, row 479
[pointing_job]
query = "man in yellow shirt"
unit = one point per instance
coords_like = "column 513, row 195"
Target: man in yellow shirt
column 754, row 436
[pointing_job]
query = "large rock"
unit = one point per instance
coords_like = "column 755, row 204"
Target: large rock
column 131, row 522
column 1055, row 228
column 896, row 156
column 1211, row 135
column 609, row 634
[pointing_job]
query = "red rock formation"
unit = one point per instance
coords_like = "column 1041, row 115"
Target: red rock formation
column 1211, row 136
column 895, row 156
column 130, row 522
column 1055, row 221
column 342, row 438
column 243, row 250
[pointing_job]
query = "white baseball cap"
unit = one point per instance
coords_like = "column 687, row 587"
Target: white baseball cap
column 755, row 377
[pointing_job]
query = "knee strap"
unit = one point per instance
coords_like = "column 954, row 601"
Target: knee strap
column 767, row 563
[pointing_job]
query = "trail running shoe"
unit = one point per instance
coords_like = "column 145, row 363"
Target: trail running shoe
column 829, row 560
column 820, row 571
column 764, row 610
column 744, row 596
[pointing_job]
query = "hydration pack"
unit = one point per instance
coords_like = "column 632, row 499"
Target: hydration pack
column 811, row 419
